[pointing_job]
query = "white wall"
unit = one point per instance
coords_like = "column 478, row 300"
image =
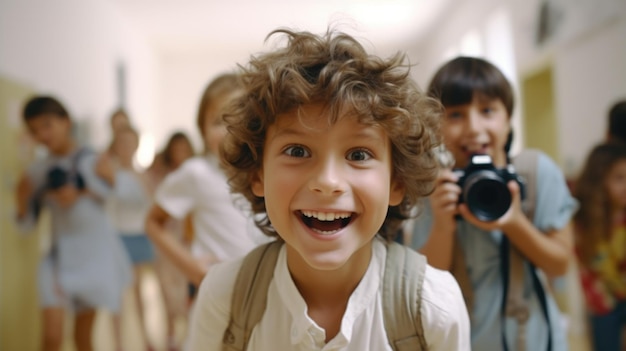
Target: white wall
column 590, row 76
column 185, row 75
column 70, row 49
column 482, row 28
column 587, row 54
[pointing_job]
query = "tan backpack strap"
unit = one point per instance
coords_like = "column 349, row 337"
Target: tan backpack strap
column 460, row 273
column 526, row 166
column 402, row 298
column 516, row 305
column 250, row 295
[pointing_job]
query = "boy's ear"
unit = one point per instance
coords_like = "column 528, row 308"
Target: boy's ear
column 396, row 193
column 29, row 126
column 258, row 186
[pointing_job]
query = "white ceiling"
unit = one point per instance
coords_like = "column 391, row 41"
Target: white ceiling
column 242, row 25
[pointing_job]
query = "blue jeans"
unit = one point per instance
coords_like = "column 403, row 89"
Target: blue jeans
column 607, row 329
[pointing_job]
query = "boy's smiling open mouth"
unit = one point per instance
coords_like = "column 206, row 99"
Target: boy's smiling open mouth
column 475, row 149
column 325, row 223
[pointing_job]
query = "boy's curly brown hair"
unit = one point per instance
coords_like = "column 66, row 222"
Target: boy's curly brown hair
column 334, row 69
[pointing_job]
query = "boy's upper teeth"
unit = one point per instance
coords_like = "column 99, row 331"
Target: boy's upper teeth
column 326, row 216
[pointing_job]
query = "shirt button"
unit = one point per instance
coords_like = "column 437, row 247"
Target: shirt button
column 229, row 338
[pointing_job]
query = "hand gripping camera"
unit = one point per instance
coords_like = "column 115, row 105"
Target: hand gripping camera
column 484, row 187
column 57, row 177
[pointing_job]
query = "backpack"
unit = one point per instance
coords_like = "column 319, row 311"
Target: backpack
column 401, row 296
column 514, row 303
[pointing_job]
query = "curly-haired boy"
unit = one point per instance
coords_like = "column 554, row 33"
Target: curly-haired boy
column 332, row 147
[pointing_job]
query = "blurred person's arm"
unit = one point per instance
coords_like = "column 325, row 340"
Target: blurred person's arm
column 66, row 196
column 548, row 251
column 188, row 232
column 551, row 251
column 23, row 195
column 443, row 208
column 177, row 197
column 26, row 214
column 172, row 247
column 96, row 183
column 105, row 168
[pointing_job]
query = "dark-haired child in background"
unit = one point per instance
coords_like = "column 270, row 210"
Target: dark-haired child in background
column 600, row 228
column 616, row 130
column 86, row 267
column 478, row 101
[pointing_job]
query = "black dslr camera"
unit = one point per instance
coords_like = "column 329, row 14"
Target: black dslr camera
column 484, row 187
column 58, row 177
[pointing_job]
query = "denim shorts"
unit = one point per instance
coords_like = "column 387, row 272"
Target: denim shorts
column 139, row 248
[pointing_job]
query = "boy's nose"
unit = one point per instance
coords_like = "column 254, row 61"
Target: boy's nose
column 474, row 122
column 327, row 178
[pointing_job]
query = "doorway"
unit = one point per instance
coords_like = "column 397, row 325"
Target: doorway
column 539, row 122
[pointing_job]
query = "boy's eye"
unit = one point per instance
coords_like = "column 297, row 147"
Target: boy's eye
column 359, row 155
column 454, row 115
column 297, row 151
column 487, row 110
column 218, row 122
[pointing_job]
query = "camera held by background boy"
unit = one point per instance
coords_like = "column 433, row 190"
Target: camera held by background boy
column 483, row 186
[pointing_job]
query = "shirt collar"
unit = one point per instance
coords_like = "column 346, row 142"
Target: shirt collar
column 303, row 327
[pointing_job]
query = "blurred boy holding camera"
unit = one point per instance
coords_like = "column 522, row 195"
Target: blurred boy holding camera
column 86, row 267
column 485, row 231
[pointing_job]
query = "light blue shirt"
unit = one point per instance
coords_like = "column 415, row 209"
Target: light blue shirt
column 87, row 260
column 553, row 209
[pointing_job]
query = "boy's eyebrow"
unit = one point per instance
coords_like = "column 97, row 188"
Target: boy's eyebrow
column 361, row 133
column 368, row 134
column 287, row 132
column 483, row 98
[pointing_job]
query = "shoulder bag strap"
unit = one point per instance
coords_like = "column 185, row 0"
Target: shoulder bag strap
column 74, row 166
column 514, row 304
column 250, row 295
column 402, row 298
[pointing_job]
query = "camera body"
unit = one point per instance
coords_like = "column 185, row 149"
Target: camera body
column 484, row 187
column 58, row 177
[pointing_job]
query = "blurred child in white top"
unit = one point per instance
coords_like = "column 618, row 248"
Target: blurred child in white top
column 174, row 284
column 128, row 206
column 222, row 230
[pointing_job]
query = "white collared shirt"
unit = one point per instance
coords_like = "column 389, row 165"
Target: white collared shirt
column 287, row 326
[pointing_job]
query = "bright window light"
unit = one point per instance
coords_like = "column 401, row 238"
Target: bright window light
column 472, row 44
column 145, row 152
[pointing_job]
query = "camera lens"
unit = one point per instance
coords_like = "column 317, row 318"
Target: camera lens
column 487, row 195
column 57, row 178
